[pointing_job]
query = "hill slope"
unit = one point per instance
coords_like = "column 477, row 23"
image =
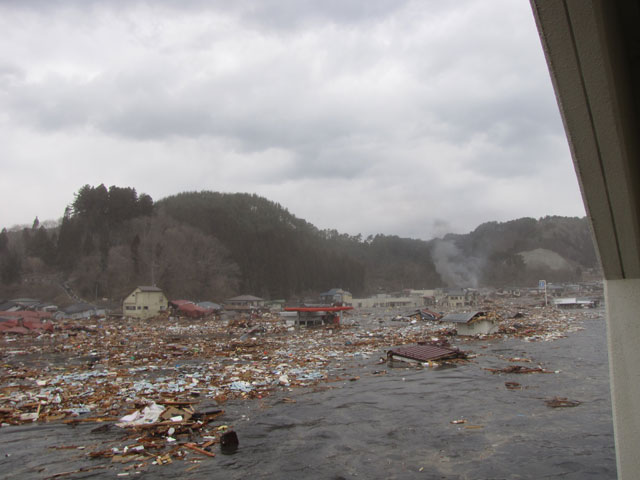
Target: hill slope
column 209, row 245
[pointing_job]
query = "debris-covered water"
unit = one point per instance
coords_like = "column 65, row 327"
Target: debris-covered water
column 451, row 422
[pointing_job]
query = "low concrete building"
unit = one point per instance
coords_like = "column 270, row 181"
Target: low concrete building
column 575, row 302
column 144, row 302
column 471, row 323
column 387, row 301
column 244, row 302
column 275, row 305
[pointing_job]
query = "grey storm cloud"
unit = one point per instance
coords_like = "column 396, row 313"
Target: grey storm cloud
column 408, row 108
column 278, row 14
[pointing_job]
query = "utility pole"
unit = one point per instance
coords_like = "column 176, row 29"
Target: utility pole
column 153, row 254
column 543, row 284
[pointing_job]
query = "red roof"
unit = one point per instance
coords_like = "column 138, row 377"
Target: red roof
column 24, row 325
column 178, row 303
column 27, row 314
column 190, row 309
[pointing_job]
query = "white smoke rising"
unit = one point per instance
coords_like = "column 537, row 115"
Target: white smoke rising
column 456, row 269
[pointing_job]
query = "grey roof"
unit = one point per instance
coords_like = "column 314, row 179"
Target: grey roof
column 79, row 307
column 461, row 317
column 7, row 305
column 211, row 305
column 26, row 302
column 455, row 291
column 334, row 291
column 150, row 289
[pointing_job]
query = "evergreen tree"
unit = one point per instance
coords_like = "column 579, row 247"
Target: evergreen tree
column 4, row 240
column 10, row 267
column 42, row 247
column 68, row 246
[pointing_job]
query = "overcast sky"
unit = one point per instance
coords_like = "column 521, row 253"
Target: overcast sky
column 412, row 118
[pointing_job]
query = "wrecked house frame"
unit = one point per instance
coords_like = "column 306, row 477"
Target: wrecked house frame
column 471, row 323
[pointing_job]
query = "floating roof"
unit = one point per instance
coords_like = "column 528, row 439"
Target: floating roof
column 423, row 353
column 150, row 289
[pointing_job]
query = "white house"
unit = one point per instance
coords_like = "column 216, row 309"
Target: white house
column 144, row 302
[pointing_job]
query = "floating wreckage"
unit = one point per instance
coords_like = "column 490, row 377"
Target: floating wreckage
column 423, row 353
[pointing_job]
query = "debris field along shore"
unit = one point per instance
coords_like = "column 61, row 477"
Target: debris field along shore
column 111, row 373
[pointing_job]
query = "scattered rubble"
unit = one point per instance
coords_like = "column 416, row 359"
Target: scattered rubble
column 163, row 381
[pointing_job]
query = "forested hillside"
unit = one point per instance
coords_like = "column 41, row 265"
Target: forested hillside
column 208, row 245
column 278, row 254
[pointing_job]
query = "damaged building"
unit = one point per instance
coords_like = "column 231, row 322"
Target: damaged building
column 471, row 323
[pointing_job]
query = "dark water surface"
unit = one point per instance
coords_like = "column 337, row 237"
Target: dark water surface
column 393, row 426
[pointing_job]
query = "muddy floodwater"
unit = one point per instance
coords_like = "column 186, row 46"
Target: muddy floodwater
column 457, row 421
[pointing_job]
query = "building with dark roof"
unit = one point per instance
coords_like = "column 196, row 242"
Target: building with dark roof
column 336, row 296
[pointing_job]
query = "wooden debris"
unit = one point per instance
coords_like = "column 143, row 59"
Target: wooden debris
column 73, row 472
column 561, row 402
column 519, row 369
column 195, row 448
column 513, row 385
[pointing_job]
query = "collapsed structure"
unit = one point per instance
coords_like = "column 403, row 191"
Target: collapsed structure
column 471, row 323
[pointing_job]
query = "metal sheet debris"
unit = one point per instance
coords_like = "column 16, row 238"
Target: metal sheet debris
column 424, row 353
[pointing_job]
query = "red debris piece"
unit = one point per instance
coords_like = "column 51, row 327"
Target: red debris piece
column 189, row 309
column 23, row 326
